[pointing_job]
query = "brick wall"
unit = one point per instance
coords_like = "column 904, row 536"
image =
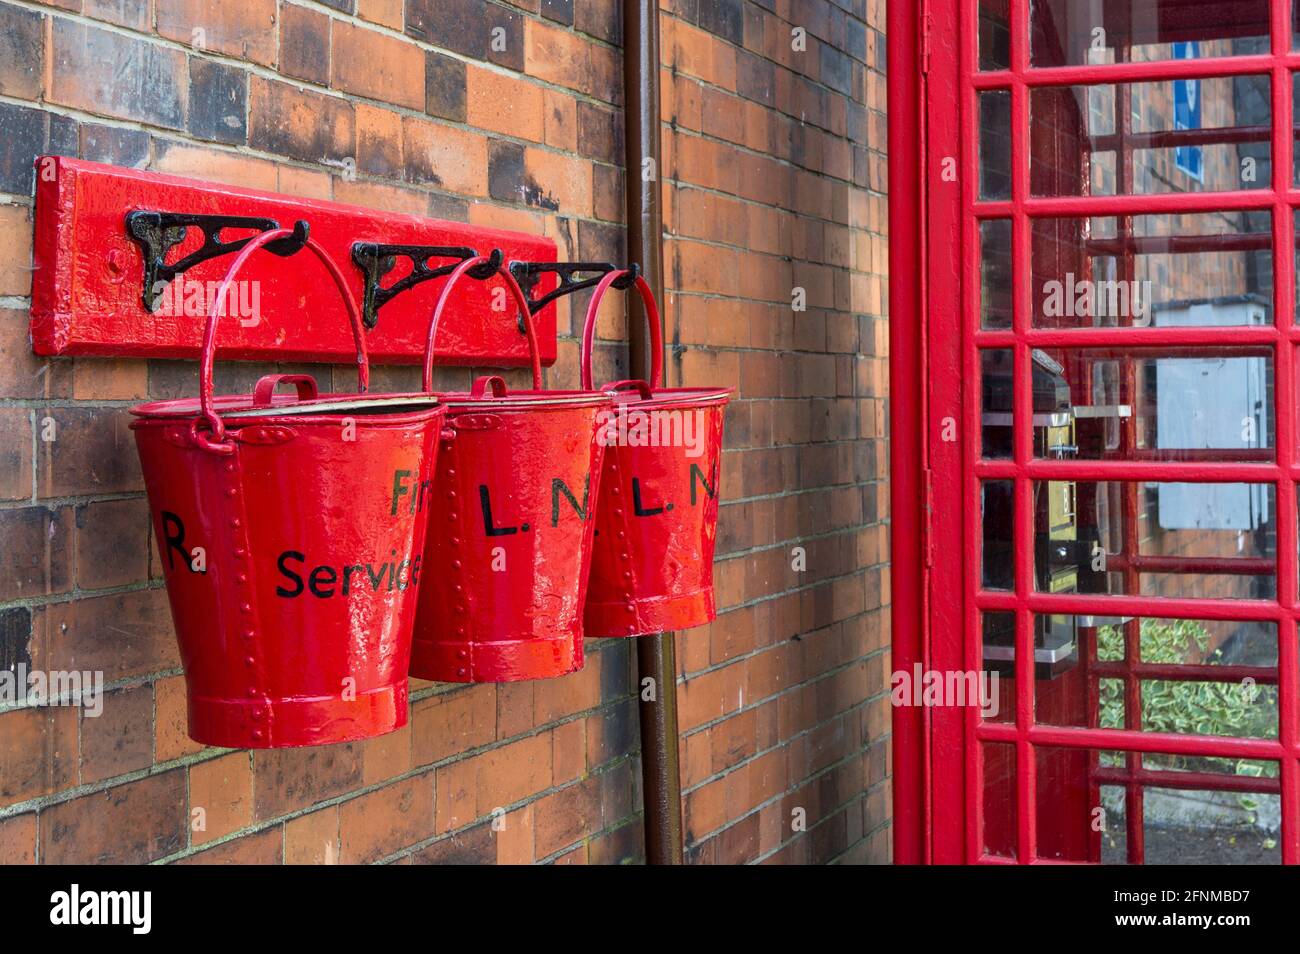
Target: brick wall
column 774, row 177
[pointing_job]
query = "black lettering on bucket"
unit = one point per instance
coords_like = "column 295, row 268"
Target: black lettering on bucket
column 710, row 489
column 558, row 487
column 488, row 527
column 636, row 501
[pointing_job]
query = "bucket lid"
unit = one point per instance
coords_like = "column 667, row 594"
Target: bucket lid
column 525, row 400
column 236, row 407
column 648, row 398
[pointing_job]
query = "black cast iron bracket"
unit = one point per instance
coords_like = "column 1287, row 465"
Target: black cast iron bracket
column 527, row 274
column 376, row 261
column 157, row 233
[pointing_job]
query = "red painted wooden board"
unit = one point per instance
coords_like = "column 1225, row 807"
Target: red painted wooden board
column 86, row 292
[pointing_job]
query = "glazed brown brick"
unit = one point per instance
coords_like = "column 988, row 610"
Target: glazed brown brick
column 120, row 739
column 380, row 822
column 125, row 634
column 304, row 43
column 245, row 30
column 299, row 123
column 15, row 453
column 18, row 839
column 37, row 556
column 112, row 543
column 131, row 824
column 22, row 52
column 38, row 752
column 85, row 450
column 286, row 780
column 92, row 63
column 452, row 722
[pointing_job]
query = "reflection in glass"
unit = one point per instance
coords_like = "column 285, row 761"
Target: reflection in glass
column 999, row 799
column 1192, row 539
column 1085, row 797
column 1201, row 269
column 997, row 380
column 1204, row 404
column 995, row 35
column 995, row 144
column 996, row 512
column 1074, row 33
column 1079, row 146
column 995, row 273
column 1175, row 678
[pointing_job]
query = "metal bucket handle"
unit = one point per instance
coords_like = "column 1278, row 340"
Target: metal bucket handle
column 216, row 426
column 652, row 316
column 493, row 261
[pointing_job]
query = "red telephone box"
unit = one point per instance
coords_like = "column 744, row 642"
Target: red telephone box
column 1093, row 352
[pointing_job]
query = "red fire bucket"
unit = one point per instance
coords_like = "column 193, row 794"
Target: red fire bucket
column 510, row 529
column 290, row 531
column 657, row 512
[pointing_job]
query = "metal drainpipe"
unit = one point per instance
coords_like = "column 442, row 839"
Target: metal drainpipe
column 655, row 656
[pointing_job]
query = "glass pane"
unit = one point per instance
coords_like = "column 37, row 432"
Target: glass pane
column 996, row 511
column 1192, row 135
column 1205, row 404
column 995, row 35
column 1213, row 268
column 1071, row 33
column 1000, row 799
column 1089, row 687
column 995, row 273
column 1085, row 798
column 997, row 380
column 999, row 690
column 995, row 144
column 1192, row 539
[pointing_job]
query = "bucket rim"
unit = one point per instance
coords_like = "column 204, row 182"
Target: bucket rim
column 675, row 397
column 233, row 407
column 524, row 400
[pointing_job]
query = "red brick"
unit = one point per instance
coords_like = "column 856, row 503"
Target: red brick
column 260, row 848
column 443, row 156
column 379, row 141
column 504, row 104
column 452, row 722
column 221, row 797
column 18, row 839
column 171, row 738
column 16, row 262
column 382, row 822
column 130, row 824
column 88, row 451
column 244, row 30
column 377, row 66
column 565, row 816
column 313, row 839
column 214, row 165
column 384, row 12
